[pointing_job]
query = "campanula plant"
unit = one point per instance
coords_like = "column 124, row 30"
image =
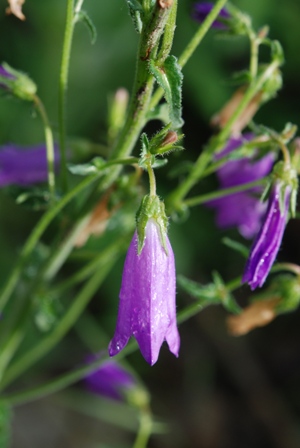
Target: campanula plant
column 53, row 303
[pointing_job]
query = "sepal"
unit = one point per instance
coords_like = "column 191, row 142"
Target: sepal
column 287, row 287
column 286, row 175
column 151, row 208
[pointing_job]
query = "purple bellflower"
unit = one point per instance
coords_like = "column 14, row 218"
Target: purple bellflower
column 202, row 9
column 110, row 380
column 24, row 166
column 244, row 209
column 147, row 307
column 267, row 243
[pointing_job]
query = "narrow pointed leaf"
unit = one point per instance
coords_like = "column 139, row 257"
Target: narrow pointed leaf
column 85, row 18
column 135, row 10
column 169, row 77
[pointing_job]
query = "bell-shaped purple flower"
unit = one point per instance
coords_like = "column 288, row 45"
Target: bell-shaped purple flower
column 110, row 380
column 267, row 243
column 243, row 210
column 147, row 307
column 202, row 9
column 24, row 166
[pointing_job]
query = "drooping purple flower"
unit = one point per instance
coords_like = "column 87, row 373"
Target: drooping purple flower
column 24, row 166
column 267, row 243
column 110, row 380
column 202, row 9
column 147, row 307
column 243, row 210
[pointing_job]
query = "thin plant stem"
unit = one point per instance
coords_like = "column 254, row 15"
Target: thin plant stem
column 63, row 84
column 63, row 381
column 203, row 29
column 201, row 163
column 197, row 306
column 291, row 267
column 152, row 180
column 49, row 145
column 254, row 44
column 78, row 6
column 197, row 200
column 145, row 429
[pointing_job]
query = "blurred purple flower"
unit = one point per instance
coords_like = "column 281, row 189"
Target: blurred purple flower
column 147, row 307
column 4, row 73
column 202, row 9
column 243, row 210
column 110, row 380
column 24, row 166
column 266, row 245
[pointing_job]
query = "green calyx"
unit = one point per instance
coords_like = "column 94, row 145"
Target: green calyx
column 287, row 287
column 151, row 208
column 287, row 176
column 162, row 143
column 20, row 84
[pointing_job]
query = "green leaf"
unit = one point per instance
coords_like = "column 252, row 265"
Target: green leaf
column 83, row 16
column 160, row 112
column 235, row 245
column 277, row 52
column 159, row 163
column 169, row 77
column 84, row 169
column 214, row 293
column 136, row 11
column 33, row 198
column 205, row 294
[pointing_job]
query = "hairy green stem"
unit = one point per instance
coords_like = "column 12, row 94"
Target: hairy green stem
column 152, row 181
column 141, row 92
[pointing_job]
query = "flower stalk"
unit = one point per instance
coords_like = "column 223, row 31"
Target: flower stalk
column 49, row 145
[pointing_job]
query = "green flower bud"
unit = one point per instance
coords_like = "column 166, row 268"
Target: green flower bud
column 17, row 83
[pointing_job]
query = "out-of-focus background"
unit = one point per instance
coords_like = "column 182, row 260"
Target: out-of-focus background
column 222, row 392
